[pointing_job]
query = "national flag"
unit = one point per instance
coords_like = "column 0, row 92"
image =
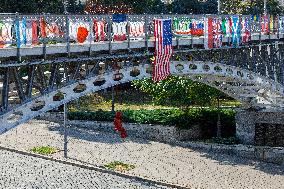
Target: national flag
column 246, row 30
column 236, row 30
column 208, row 33
column 163, row 48
column 99, row 30
column 217, row 33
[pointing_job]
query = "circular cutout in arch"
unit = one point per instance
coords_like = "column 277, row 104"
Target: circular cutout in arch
column 229, row 71
column 192, row 67
column 117, row 76
column 99, row 82
column 206, row 68
column 250, row 76
column 179, row 67
column 37, row 105
column 239, row 73
column 135, row 72
column 58, row 97
column 218, row 69
column 80, row 88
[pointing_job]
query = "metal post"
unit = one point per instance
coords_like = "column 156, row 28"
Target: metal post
column 219, row 7
column 91, row 36
column 18, row 38
column 265, row 7
column 65, row 6
column 146, row 33
column 65, row 130
column 128, row 34
column 67, row 34
column 110, row 33
column 219, row 120
column 112, row 99
column 5, row 90
column 44, row 41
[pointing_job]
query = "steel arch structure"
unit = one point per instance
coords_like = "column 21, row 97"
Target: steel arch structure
column 57, row 70
column 250, row 88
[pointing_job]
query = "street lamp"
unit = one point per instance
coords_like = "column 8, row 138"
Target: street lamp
column 265, row 6
column 219, row 7
column 65, row 3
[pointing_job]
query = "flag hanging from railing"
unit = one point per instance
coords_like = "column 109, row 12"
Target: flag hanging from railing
column 217, row 33
column 236, row 31
column 246, row 30
column 208, row 33
column 163, row 48
column 99, row 30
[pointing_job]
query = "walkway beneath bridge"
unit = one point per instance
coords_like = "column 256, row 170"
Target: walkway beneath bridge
column 153, row 160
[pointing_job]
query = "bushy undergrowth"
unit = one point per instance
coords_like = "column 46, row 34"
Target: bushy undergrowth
column 206, row 119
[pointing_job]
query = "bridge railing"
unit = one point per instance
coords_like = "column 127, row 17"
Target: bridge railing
column 19, row 31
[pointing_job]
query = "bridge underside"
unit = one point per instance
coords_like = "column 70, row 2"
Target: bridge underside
column 252, row 74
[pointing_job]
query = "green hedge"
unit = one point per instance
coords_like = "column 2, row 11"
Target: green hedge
column 205, row 118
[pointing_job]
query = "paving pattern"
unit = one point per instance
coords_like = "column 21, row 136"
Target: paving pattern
column 153, row 160
column 20, row 171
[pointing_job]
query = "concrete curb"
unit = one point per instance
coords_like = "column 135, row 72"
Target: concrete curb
column 97, row 168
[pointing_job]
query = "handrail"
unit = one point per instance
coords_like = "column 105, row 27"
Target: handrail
column 36, row 30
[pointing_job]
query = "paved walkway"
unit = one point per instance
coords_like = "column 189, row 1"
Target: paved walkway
column 153, row 160
column 25, row 172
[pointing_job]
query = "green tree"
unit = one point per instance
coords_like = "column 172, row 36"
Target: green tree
column 210, row 7
column 187, row 7
column 31, row 6
column 139, row 7
column 250, row 7
column 178, row 91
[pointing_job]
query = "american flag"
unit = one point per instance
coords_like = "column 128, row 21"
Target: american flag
column 163, row 48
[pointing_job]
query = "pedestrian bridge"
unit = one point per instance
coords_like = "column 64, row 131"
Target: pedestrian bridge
column 49, row 60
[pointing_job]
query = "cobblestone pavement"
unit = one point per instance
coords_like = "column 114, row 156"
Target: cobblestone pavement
column 153, row 160
column 25, row 172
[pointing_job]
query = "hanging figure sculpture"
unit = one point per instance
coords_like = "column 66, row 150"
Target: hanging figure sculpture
column 118, row 125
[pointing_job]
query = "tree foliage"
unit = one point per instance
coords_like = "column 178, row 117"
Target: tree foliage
column 145, row 6
column 250, row 7
column 178, row 91
column 194, row 7
column 136, row 6
column 39, row 6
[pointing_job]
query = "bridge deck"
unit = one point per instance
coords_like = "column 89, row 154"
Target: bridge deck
column 61, row 48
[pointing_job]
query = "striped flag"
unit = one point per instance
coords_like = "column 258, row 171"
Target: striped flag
column 163, row 48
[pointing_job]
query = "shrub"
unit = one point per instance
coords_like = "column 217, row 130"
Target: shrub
column 205, row 118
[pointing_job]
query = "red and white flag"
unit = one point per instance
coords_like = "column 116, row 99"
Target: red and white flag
column 163, row 48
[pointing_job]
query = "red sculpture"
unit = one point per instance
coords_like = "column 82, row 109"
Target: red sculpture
column 118, row 125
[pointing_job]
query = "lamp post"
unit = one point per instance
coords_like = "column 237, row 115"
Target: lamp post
column 265, row 7
column 65, row 129
column 65, row 3
column 219, row 6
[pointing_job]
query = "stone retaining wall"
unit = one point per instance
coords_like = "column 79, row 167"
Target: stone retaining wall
column 260, row 128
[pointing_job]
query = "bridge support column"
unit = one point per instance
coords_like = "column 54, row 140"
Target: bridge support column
column 261, row 128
